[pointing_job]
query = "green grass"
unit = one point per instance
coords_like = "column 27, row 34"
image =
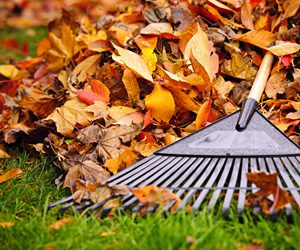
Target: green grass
column 31, row 37
column 23, row 202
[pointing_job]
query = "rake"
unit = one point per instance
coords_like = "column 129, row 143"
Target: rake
column 210, row 166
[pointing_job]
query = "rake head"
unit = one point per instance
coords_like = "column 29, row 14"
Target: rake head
column 210, row 166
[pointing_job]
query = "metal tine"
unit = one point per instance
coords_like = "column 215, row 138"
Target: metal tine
column 221, row 183
column 196, row 168
column 254, row 167
column 63, row 209
column 140, row 165
column 198, row 184
column 172, row 166
column 232, row 183
column 243, row 185
column 102, row 203
column 154, row 162
column 209, row 184
column 287, row 179
column 182, row 165
column 272, row 169
column 146, row 173
column 84, row 205
column 53, row 204
column 291, row 167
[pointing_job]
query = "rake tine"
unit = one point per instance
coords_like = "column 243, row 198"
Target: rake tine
column 287, row 180
column 253, row 168
column 272, row 169
column 137, row 208
column 209, row 184
column 101, row 204
column 143, row 164
column 151, row 175
column 152, row 209
column 106, row 211
column 198, row 184
column 140, row 171
column 83, row 206
column 64, row 208
column 232, row 183
column 54, row 204
column 243, row 184
column 221, row 183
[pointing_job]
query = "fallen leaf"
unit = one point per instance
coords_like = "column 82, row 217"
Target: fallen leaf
column 151, row 195
column 10, row 174
column 259, row 38
column 161, row 103
column 268, row 185
column 9, row 71
column 133, row 61
column 96, row 91
column 276, row 84
column 60, row 223
column 6, row 224
column 203, row 51
column 67, row 116
column 284, row 49
column 86, row 68
column 132, row 86
column 205, row 114
column 3, row 153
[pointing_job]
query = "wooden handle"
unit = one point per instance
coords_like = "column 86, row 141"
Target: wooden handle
column 262, row 76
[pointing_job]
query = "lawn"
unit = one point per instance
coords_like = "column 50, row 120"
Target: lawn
column 24, row 200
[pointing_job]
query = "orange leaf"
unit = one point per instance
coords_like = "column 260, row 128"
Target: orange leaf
column 58, row 224
column 203, row 114
column 10, row 174
column 97, row 92
column 259, row 38
column 161, row 103
column 100, row 89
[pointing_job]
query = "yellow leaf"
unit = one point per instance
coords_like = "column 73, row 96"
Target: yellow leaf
column 259, row 38
column 68, row 115
column 6, row 224
column 161, row 103
column 133, row 61
column 9, row 71
column 290, row 7
column 86, row 68
column 58, row 224
column 131, row 86
column 223, row 88
column 203, row 51
column 284, row 49
column 150, row 58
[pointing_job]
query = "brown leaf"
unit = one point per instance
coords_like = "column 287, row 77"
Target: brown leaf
column 88, row 171
column 268, row 185
column 284, row 48
column 276, row 84
column 10, row 174
column 39, row 103
column 67, row 116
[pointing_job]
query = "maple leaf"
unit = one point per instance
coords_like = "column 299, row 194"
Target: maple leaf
column 67, row 116
column 86, row 170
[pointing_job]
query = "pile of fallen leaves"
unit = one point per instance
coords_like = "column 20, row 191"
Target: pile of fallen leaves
column 103, row 95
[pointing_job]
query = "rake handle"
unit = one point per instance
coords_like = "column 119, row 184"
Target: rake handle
column 256, row 92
